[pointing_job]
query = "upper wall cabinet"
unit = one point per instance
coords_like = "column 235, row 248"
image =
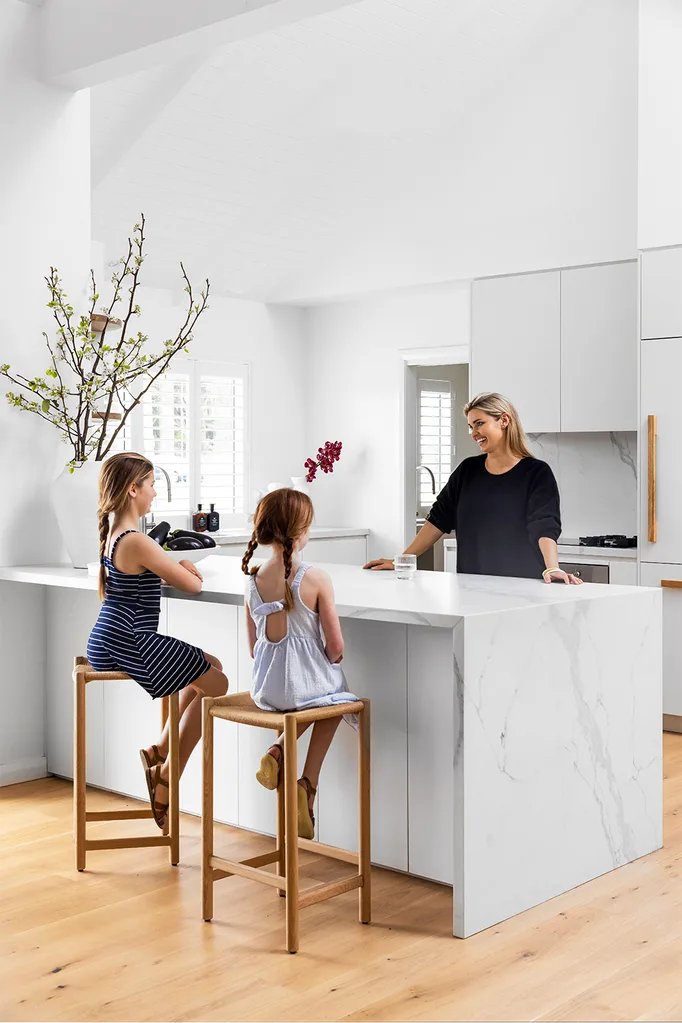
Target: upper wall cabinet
column 662, row 293
column 515, row 349
column 599, row 347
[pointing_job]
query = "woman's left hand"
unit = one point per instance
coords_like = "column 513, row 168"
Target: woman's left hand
column 559, row 576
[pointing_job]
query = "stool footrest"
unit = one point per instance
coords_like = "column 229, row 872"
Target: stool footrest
column 320, row 892
column 118, row 815
column 334, row 852
column 244, row 869
column 139, row 842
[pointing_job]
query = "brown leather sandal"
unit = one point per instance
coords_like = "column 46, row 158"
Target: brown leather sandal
column 148, row 761
column 159, row 810
column 306, row 819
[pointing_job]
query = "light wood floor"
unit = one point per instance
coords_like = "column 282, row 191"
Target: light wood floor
column 124, row 940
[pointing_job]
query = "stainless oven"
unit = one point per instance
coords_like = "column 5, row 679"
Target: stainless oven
column 585, row 571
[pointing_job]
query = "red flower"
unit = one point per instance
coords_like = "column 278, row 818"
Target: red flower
column 326, row 456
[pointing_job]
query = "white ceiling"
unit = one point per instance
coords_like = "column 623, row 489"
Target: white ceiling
column 300, row 164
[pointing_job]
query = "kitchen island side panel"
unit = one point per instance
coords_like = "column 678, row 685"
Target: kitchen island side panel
column 558, row 777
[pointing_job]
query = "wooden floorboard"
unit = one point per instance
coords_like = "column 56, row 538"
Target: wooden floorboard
column 125, row 941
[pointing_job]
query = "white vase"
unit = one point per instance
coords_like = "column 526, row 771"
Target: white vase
column 75, row 498
column 300, row 483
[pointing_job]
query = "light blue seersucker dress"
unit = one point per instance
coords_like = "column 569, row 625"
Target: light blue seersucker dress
column 294, row 673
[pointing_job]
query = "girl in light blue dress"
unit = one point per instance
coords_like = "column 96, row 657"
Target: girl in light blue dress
column 294, row 636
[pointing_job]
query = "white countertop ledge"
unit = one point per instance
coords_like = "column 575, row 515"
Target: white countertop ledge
column 438, row 599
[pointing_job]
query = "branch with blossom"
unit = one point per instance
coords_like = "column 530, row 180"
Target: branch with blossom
column 93, row 381
column 326, row 456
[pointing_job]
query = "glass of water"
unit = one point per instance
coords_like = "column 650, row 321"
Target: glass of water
column 405, row 565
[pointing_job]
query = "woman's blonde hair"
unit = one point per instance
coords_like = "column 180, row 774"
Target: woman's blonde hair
column 116, row 477
column 496, row 405
column 281, row 517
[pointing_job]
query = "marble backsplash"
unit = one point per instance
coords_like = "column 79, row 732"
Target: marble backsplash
column 597, row 477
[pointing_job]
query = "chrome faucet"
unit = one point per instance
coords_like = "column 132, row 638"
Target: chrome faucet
column 149, row 524
column 433, row 478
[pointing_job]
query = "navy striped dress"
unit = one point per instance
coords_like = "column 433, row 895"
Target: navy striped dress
column 126, row 637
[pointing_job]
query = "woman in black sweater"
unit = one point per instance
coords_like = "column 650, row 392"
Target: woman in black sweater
column 503, row 504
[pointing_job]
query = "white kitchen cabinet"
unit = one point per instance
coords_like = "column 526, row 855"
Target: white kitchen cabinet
column 599, row 348
column 661, row 293
column 341, row 550
column 70, row 615
column 430, row 753
column 214, row 628
column 660, row 375
column 623, row 573
column 651, row 575
column 375, row 667
column 515, row 345
column 337, row 550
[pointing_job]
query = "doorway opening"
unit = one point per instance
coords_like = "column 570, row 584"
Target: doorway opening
column 436, row 440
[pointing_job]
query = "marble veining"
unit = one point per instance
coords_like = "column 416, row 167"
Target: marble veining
column 597, row 477
column 557, row 740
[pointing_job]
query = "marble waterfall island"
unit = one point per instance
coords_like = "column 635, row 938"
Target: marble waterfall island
column 516, row 727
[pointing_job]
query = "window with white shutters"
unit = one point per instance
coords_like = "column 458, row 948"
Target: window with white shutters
column 435, row 438
column 192, row 424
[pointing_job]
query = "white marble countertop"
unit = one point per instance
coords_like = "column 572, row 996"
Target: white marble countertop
column 242, row 534
column 576, row 551
column 430, row 598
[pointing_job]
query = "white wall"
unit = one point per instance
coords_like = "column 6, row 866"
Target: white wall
column 44, row 221
column 660, row 123
column 543, row 174
column 272, row 340
column 355, row 391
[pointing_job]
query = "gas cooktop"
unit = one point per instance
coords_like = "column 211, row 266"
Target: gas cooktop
column 606, row 540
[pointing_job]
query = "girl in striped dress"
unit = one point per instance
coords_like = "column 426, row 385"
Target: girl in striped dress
column 126, row 637
column 295, row 638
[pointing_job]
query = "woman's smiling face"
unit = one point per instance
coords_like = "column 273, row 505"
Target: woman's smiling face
column 487, row 431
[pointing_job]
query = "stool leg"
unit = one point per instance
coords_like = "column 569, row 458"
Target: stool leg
column 164, row 718
column 291, row 829
column 174, row 779
column 79, row 754
column 207, row 810
column 364, row 808
column 281, row 833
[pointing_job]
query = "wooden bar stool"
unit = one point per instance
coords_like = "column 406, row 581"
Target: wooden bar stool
column 82, row 674
column 239, row 707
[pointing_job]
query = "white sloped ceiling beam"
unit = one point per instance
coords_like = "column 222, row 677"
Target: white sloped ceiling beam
column 86, row 42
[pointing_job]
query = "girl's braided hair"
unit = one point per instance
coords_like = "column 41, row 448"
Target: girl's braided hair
column 281, row 517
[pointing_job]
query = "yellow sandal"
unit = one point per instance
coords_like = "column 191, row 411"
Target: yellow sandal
column 267, row 774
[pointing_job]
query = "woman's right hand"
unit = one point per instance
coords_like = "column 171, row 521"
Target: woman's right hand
column 381, row 565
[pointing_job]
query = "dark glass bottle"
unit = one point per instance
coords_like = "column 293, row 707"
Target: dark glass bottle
column 199, row 520
column 213, row 520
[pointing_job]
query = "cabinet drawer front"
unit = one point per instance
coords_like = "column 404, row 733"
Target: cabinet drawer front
column 662, row 293
column 669, row 577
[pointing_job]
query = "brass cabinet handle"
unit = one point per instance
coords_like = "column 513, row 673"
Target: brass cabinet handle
column 672, row 584
column 651, row 479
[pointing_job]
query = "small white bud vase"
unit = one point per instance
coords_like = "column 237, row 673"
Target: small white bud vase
column 300, row 483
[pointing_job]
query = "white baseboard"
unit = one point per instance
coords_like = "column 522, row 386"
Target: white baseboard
column 25, row 769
